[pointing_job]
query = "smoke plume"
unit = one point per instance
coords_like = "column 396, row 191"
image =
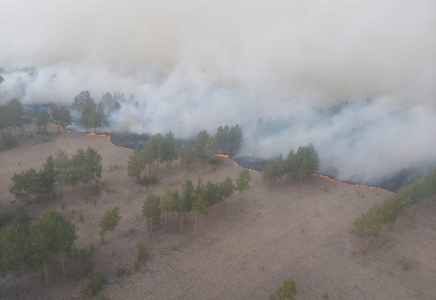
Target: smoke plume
column 194, row 65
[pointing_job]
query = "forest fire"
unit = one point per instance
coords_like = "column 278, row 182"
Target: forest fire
column 317, row 175
column 235, row 163
column 62, row 129
column 351, row 184
column 98, row 134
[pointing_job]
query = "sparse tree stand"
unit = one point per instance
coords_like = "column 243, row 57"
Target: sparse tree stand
column 85, row 167
column 62, row 166
column 52, row 235
column 151, row 210
column 200, row 203
column 186, row 201
column 109, row 222
column 61, row 116
column 167, row 203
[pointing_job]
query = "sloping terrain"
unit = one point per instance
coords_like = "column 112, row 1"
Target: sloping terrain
column 245, row 247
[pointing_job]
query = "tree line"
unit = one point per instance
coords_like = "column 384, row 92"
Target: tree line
column 157, row 149
column 371, row 222
column 93, row 115
column 226, row 140
column 26, row 248
column 198, row 199
column 11, row 118
column 84, row 167
column 60, row 115
column 301, row 164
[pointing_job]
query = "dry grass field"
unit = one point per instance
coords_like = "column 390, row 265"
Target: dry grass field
column 244, row 248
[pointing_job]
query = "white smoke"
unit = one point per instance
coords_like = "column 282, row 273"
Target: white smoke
column 196, row 64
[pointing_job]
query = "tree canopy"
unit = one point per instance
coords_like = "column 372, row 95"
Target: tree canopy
column 371, row 222
column 151, row 210
column 302, row 164
column 243, row 180
column 42, row 119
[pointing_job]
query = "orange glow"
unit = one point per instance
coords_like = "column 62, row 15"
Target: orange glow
column 62, row 129
column 317, row 175
column 97, row 134
column 358, row 185
column 236, row 164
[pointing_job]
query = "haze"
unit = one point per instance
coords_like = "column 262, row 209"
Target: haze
column 194, row 65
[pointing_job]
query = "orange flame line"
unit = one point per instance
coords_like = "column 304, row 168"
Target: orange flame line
column 236, row 164
column 317, row 175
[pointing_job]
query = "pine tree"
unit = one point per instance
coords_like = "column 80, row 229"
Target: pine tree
column 94, row 118
column 25, row 185
column 42, row 120
column 200, row 146
column 47, row 178
column 200, row 202
column 109, row 222
column 135, row 165
column 62, row 169
column 167, row 203
column 210, row 194
column 93, row 165
column 303, row 170
column 243, row 180
column 64, row 117
column 226, row 188
column 55, row 115
column 53, row 235
column 186, row 201
column 151, row 210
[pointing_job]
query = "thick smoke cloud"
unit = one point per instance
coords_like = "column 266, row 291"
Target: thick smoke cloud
column 198, row 64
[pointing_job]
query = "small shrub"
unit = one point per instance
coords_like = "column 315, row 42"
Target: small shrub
column 145, row 181
column 325, row 189
column 153, row 179
column 81, row 218
column 174, row 246
column 9, row 142
column 128, row 272
column 77, row 270
column 95, row 190
column 363, row 196
column 116, row 167
column 94, row 285
column 142, row 253
column 214, row 161
column 120, row 271
column 288, row 291
column 406, row 266
column 132, row 231
column 102, row 237
column 91, row 248
column 325, row 295
column 135, row 266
